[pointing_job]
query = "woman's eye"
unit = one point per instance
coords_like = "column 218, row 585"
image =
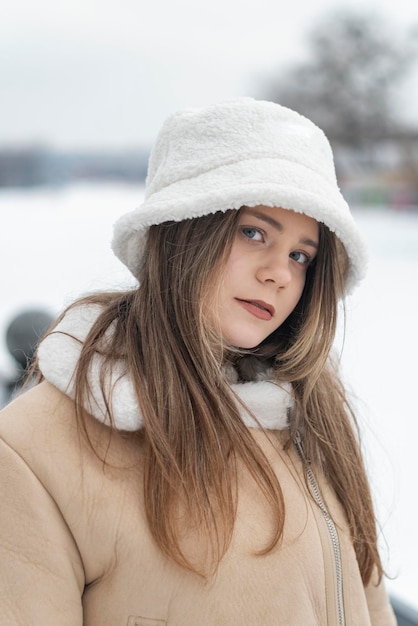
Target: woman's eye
column 300, row 257
column 252, row 233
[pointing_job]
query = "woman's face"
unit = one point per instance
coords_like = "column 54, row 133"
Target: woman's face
column 264, row 275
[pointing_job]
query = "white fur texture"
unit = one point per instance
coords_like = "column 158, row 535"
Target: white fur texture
column 59, row 353
column 240, row 152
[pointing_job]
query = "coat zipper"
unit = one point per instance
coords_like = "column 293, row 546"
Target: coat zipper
column 317, row 496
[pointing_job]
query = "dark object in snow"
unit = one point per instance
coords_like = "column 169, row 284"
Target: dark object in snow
column 22, row 337
column 24, row 333
column 405, row 614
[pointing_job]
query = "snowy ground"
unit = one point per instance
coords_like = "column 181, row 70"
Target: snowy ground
column 54, row 245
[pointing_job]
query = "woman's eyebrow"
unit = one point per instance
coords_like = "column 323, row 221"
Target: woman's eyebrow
column 278, row 226
column 266, row 218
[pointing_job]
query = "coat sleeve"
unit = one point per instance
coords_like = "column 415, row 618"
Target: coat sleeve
column 41, row 573
column 380, row 610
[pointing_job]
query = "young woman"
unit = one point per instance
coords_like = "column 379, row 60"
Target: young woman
column 189, row 456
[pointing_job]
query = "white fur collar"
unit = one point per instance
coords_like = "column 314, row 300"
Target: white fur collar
column 58, row 355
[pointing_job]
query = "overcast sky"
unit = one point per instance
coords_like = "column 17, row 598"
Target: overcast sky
column 105, row 73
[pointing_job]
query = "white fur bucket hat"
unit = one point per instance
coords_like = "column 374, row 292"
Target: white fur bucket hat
column 240, row 152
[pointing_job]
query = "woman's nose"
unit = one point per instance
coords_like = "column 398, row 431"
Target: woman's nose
column 275, row 270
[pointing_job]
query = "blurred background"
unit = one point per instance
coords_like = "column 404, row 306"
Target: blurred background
column 84, row 88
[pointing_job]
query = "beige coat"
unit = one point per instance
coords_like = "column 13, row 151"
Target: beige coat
column 75, row 548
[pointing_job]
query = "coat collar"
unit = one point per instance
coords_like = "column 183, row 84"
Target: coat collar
column 58, row 356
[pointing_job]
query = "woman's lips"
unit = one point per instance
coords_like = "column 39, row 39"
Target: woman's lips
column 258, row 308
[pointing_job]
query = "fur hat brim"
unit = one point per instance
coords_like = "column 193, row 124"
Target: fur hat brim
column 253, row 182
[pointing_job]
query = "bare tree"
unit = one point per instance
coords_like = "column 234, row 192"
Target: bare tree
column 349, row 81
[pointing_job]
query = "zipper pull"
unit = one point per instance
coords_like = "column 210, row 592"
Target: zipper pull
column 297, row 440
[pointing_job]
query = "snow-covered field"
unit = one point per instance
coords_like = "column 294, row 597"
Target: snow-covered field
column 54, row 245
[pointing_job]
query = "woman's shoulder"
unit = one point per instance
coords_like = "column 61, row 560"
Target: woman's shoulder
column 46, row 457
column 36, row 415
column 41, row 426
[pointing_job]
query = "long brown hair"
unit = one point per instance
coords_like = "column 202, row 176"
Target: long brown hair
column 193, row 435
